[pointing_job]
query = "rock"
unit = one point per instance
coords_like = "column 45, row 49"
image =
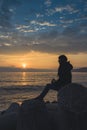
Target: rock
column 72, row 101
column 73, row 97
column 33, row 115
column 70, row 113
column 13, row 108
column 8, row 121
column 59, row 117
column 8, row 118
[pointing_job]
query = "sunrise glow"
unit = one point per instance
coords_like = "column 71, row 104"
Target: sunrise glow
column 24, row 65
column 44, row 30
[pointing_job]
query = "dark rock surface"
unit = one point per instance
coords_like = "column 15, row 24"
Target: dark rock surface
column 8, row 121
column 69, row 113
column 73, row 97
column 8, row 118
column 73, row 103
column 33, row 115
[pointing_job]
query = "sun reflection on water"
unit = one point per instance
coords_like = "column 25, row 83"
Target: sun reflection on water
column 24, row 78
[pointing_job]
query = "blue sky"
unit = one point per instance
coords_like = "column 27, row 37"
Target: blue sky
column 50, row 26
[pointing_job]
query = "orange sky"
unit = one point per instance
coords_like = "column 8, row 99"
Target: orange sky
column 33, row 34
column 41, row 60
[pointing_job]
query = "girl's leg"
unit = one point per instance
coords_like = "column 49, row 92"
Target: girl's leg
column 44, row 92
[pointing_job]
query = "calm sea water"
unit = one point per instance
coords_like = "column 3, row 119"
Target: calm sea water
column 19, row 86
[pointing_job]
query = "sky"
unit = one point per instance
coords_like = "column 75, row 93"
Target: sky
column 33, row 33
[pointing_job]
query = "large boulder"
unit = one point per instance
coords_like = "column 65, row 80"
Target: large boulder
column 58, row 117
column 13, row 108
column 8, row 121
column 33, row 115
column 73, row 97
column 8, row 117
column 72, row 100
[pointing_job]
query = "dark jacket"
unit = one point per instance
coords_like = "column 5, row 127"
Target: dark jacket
column 64, row 72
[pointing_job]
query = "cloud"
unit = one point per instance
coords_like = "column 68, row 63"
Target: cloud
column 45, row 23
column 38, row 15
column 48, row 3
column 52, row 28
column 61, row 9
column 34, row 26
column 6, row 13
column 25, row 28
column 66, row 21
column 69, row 41
column 4, row 36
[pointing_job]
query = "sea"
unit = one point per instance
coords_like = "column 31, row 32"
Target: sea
column 20, row 86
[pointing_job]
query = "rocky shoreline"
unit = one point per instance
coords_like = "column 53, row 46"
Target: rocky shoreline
column 69, row 113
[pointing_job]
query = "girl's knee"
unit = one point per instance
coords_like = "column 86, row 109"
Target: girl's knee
column 48, row 86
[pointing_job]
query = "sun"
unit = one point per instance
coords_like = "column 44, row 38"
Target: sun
column 24, row 65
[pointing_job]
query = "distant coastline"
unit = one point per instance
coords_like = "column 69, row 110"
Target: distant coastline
column 82, row 69
column 13, row 69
